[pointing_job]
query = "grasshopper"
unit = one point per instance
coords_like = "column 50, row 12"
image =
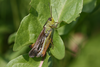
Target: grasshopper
column 44, row 39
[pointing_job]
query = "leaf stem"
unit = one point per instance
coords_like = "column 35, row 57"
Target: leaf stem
column 41, row 62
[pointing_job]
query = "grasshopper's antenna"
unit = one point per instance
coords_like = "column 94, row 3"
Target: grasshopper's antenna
column 51, row 10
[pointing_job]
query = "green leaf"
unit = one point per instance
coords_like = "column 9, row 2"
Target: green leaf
column 89, row 5
column 11, row 38
column 42, row 8
column 66, row 10
column 90, row 55
column 58, row 51
column 28, row 32
column 26, row 61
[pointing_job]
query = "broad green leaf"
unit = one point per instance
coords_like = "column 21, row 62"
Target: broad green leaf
column 66, row 10
column 58, row 51
column 11, row 38
column 28, row 32
column 89, row 5
column 90, row 55
column 62, row 10
column 43, row 10
column 26, row 61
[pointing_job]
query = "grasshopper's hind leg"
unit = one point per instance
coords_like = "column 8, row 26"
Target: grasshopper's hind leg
column 31, row 46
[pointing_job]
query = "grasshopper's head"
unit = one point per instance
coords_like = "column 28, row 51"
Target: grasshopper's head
column 50, row 22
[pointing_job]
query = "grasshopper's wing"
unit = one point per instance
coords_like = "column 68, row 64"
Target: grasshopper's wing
column 38, row 45
column 46, row 44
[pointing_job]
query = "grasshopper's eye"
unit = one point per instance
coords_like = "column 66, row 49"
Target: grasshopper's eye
column 50, row 19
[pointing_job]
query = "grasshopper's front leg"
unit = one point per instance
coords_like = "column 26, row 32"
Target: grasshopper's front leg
column 52, row 45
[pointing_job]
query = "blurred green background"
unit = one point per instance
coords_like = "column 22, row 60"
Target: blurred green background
column 82, row 38
column 11, row 14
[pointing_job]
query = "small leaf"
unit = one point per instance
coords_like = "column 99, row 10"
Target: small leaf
column 89, row 5
column 66, row 10
column 58, row 51
column 28, row 32
column 11, row 38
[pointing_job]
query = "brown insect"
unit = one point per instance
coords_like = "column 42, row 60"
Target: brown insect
column 44, row 40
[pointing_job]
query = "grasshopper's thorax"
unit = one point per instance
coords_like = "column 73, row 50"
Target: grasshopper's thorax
column 49, row 24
